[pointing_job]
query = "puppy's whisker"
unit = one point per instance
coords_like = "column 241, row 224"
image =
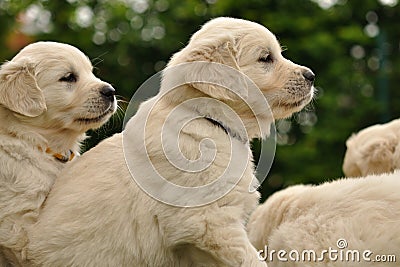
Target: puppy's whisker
column 310, row 107
column 121, row 99
column 97, row 60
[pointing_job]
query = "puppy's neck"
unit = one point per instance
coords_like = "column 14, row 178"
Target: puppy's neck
column 64, row 140
column 218, row 115
column 240, row 120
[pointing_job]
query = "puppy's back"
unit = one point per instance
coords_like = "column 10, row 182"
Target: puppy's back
column 363, row 211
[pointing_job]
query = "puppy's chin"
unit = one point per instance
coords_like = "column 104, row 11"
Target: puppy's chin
column 284, row 108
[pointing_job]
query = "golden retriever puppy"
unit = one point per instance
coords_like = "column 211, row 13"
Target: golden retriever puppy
column 49, row 98
column 111, row 208
column 373, row 150
column 347, row 222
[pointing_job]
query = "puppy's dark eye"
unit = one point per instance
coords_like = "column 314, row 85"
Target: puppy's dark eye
column 266, row 59
column 69, row 78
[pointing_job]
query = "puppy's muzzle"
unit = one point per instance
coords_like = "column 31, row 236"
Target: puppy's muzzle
column 108, row 93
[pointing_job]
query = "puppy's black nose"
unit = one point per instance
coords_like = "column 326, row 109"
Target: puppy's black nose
column 108, row 93
column 309, row 75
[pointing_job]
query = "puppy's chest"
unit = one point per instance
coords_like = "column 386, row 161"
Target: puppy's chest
column 22, row 163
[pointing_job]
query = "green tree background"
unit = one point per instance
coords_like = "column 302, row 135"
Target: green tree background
column 352, row 46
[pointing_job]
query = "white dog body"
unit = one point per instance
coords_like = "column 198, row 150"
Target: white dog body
column 362, row 211
column 98, row 214
column 45, row 94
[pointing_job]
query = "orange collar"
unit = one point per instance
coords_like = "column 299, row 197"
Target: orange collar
column 64, row 158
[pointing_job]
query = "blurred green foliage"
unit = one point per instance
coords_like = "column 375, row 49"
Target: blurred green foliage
column 352, row 46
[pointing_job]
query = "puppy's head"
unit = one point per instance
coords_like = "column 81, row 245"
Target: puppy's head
column 51, row 85
column 253, row 50
column 371, row 151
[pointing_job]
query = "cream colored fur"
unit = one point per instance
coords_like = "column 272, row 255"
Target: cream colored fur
column 39, row 112
column 363, row 211
column 373, row 150
column 96, row 214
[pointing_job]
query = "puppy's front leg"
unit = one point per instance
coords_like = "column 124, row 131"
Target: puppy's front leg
column 230, row 245
column 227, row 244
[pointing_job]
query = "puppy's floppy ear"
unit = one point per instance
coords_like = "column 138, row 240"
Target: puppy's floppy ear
column 19, row 91
column 222, row 81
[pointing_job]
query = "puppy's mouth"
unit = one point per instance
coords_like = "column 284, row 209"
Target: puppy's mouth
column 299, row 103
column 97, row 119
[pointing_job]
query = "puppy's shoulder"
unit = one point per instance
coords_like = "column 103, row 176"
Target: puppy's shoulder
column 14, row 148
